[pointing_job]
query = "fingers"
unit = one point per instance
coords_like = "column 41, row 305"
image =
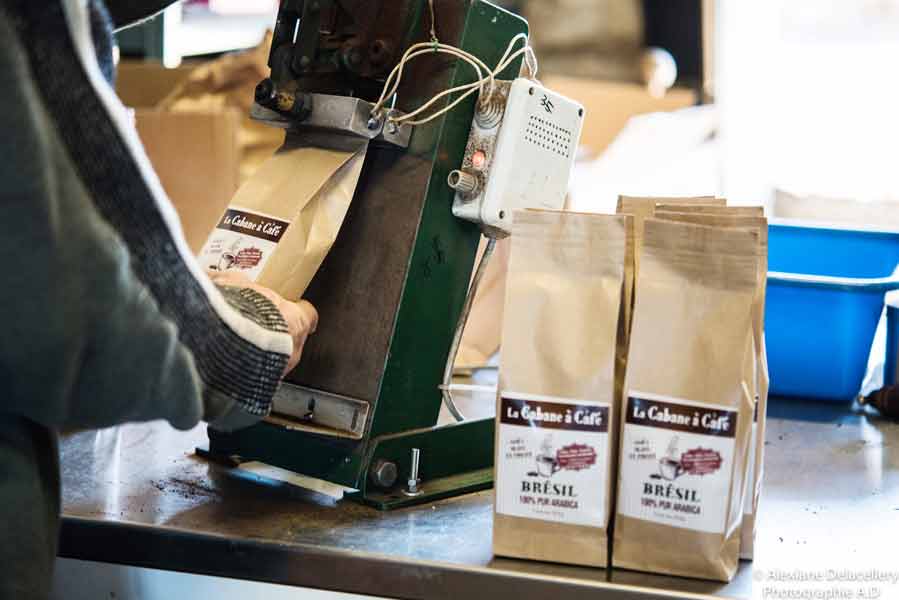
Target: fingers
column 229, row 278
column 310, row 315
column 301, row 317
column 302, row 320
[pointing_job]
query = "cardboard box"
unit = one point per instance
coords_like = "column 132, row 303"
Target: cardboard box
column 196, row 158
column 146, row 83
column 195, row 154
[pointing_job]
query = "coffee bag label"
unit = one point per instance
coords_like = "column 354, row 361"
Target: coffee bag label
column 552, row 459
column 677, row 462
column 242, row 241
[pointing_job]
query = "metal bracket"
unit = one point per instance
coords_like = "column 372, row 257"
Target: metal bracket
column 319, row 412
column 455, row 459
column 341, row 115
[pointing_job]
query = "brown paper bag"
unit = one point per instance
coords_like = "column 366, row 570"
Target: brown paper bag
column 557, row 404
column 644, row 208
column 627, row 311
column 284, row 220
column 744, row 211
column 755, row 470
column 687, row 418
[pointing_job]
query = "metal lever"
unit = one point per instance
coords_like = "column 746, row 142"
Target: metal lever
column 340, row 115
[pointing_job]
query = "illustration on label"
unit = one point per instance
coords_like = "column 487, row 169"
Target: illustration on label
column 677, row 462
column 243, row 240
column 552, row 459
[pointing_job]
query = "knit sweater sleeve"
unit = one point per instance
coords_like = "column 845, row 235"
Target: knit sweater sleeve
column 109, row 319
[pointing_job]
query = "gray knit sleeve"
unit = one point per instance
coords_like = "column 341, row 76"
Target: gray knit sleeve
column 109, row 318
column 228, row 411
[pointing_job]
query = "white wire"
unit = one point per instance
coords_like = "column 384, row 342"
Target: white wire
column 511, row 59
column 442, row 111
column 433, row 21
column 512, row 42
column 391, row 85
column 377, row 109
column 530, row 61
column 397, row 72
column 412, row 52
column 467, row 87
column 507, row 59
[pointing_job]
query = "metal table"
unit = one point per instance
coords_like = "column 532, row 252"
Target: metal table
column 137, row 495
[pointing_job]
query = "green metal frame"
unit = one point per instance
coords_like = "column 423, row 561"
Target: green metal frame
column 456, row 458
column 441, row 263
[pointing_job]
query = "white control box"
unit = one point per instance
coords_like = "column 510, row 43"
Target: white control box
column 520, row 154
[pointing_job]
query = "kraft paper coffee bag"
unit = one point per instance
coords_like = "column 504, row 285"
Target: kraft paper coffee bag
column 283, row 221
column 627, row 309
column 557, row 408
column 643, row 208
column 740, row 211
column 755, row 470
column 686, row 421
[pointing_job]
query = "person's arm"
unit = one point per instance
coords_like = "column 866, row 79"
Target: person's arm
column 125, row 13
column 104, row 319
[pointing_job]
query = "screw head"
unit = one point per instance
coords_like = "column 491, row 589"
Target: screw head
column 265, row 90
column 383, row 473
column 378, row 47
column 373, row 123
column 392, row 128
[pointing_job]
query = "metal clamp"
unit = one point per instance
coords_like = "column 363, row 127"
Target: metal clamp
column 342, row 115
column 319, row 412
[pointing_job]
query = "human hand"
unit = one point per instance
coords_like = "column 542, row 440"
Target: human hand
column 301, row 317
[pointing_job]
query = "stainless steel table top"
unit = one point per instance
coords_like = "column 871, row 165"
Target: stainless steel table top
column 137, row 495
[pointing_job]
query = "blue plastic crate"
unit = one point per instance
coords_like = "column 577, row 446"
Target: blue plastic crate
column 825, row 294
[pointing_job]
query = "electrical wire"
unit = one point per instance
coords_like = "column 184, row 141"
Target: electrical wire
column 460, row 329
column 512, row 42
column 488, row 81
column 483, row 81
column 433, row 21
column 393, row 80
column 468, row 88
column 471, row 88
